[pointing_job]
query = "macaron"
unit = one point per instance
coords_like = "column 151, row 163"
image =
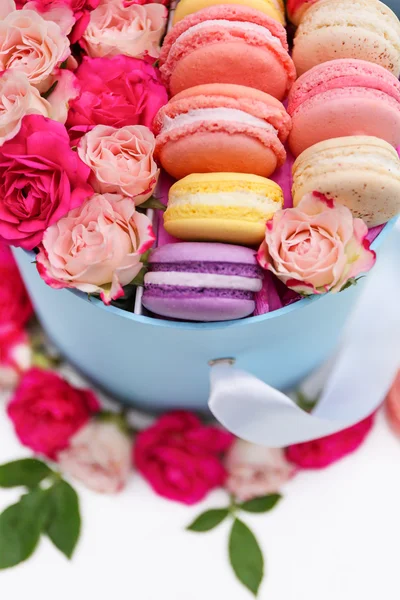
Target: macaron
column 364, row 29
column 202, row 282
column 219, row 43
column 222, row 207
column 272, row 8
column 221, row 128
column 361, row 172
column 344, row 97
column 295, row 9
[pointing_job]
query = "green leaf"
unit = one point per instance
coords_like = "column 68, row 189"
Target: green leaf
column 208, row 520
column 262, row 504
column 153, row 203
column 20, row 528
column 304, row 402
column 64, row 522
column 139, row 279
column 245, row 556
column 45, row 95
column 28, row 472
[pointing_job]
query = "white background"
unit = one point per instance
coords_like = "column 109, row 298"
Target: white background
column 335, row 535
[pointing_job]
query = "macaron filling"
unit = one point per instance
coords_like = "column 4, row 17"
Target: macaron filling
column 242, row 26
column 239, row 199
column 210, row 280
column 231, row 115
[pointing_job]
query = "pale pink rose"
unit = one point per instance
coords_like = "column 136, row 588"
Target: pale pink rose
column 96, row 248
column 33, row 45
column 99, row 455
column 135, row 30
column 66, row 90
column 255, row 471
column 121, row 160
column 55, row 10
column 316, row 247
column 15, row 357
column 17, row 99
column 6, row 7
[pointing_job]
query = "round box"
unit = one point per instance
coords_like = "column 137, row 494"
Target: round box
column 159, row 364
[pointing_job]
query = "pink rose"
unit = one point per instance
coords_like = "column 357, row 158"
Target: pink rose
column 15, row 357
column 66, row 90
column 121, row 160
column 181, row 458
column 316, row 247
column 47, row 411
column 116, row 91
column 15, row 305
column 41, row 179
column 392, row 404
column 99, row 455
column 32, row 45
column 318, row 454
column 19, row 98
column 255, row 471
column 135, row 30
column 97, row 247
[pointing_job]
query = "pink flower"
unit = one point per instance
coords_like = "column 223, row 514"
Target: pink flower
column 66, row 90
column 180, row 457
column 41, row 179
column 392, row 404
column 96, row 248
column 99, row 455
column 116, row 91
column 121, row 160
column 255, row 471
column 15, row 357
column 133, row 30
column 318, row 454
column 316, row 247
column 32, row 45
column 47, row 411
column 15, row 305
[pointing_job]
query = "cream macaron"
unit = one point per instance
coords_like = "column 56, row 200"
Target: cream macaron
column 361, row 172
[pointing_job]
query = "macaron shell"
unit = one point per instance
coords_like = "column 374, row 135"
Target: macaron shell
column 229, row 149
column 227, row 62
column 334, row 29
column 361, row 172
column 345, row 112
column 206, row 309
column 196, row 251
column 273, row 9
column 231, row 231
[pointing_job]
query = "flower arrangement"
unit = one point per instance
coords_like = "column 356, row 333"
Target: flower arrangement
column 74, row 437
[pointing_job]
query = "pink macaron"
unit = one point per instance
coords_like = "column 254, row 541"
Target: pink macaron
column 228, row 43
column 221, row 128
column 341, row 98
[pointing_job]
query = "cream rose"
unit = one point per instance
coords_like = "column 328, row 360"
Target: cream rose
column 316, row 247
column 134, row 30
column 99, row 455
column 97, row 247
column 32, row 45
column 255, row 471
column 121, row 160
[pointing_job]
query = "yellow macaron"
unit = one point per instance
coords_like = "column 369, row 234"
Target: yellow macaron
column 222, row 207
column 272, row 8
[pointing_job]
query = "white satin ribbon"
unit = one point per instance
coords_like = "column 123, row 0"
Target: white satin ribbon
column 359, row 380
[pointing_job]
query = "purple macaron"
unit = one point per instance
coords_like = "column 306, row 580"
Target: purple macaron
column 195, row 281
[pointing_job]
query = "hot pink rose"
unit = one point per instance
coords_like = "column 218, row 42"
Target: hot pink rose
column 15, row 357
column 15, row 305
column 121, row 160
column 99, row 455
column 320, row 453
column 41, row 179
column 135, row 30
column 392, row 404
column 96, row 248
column 47, row 411
column 255, row 471
column 116, row 91
column 32, row 45
column 181, row 458
column 316, row 247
